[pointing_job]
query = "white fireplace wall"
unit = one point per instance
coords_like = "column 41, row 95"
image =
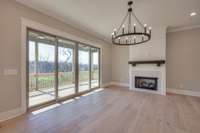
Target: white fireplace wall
column 149, row 71
column 155, row 49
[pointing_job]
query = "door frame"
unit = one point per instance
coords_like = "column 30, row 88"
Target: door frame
column 27, row 23
column 36, row 56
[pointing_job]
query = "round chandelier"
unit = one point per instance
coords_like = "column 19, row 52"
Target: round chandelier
column 131, row 31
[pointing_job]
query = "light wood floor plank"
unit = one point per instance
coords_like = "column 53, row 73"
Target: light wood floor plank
column 114, row 110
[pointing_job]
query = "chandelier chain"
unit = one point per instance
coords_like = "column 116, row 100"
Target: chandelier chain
column 122, row 23
column 140, row 23
column 131, row 35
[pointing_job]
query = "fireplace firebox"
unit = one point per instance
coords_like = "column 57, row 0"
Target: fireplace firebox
column 149, row 83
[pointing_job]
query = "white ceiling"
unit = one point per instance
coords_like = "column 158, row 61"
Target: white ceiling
column 100, row 17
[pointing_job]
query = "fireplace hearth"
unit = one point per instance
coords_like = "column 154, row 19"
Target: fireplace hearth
column 149, row 83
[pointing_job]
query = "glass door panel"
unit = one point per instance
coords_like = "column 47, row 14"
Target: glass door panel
column 95, row 66
column 41, row 68
column 84, row 68
column 66, row 68
column 32, row 66
column 58, row 68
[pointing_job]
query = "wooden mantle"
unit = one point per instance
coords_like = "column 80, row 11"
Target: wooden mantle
column 157, row 62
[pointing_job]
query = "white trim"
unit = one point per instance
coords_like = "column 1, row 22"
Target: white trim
column 183, row 28
column 119, row 84
column 151, row 71
column 41, row 27
column 11, row 114
column 148, row 91
column 22, row 109
column 105, row 85
column 72, row 24
column 101, row 67
column 25, row 23
column 23, row 66
column 135, row 89
column 184, row 92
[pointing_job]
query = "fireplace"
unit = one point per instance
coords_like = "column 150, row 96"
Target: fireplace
column 149, row 83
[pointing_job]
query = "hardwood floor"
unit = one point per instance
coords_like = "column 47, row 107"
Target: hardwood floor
column 114, row 110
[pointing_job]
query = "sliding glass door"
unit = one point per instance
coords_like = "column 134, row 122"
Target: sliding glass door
column 59, row 68
column 41, row 68
column 95, row 67
column 66, row 68
column 84, row 67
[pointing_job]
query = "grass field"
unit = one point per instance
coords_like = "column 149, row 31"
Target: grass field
column 47, row 80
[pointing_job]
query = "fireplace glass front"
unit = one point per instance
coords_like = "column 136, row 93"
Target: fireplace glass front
column 149, row 83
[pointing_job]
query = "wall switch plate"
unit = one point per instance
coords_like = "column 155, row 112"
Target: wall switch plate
column 8, row 72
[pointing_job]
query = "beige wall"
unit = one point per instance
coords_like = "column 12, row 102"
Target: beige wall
column 183, row 60
column 10, row 37
column 120, row 67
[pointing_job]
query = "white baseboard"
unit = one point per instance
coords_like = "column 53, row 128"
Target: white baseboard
column 184, row 92
column 11, row 114
column 105, row 85
column 119, row 84
column 21, row 110
column 148, row 91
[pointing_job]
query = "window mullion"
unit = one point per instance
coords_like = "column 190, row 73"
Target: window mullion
column 56, row 69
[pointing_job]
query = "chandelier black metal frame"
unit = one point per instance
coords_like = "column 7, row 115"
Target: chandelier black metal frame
column 131, row 35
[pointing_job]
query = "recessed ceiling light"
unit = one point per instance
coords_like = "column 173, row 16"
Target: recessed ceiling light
column 193, row 14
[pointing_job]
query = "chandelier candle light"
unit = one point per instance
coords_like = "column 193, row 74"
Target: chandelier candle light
column 130, row 34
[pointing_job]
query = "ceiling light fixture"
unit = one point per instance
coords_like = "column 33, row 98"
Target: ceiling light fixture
column 131, row 31
column 193, row 14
